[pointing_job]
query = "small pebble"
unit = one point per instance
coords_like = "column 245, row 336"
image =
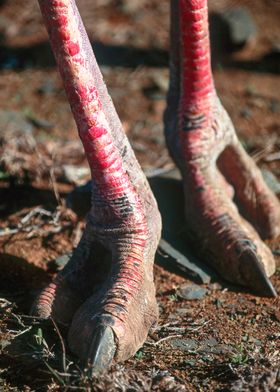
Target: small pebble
column 47, row 88
column 192, row 291
column 184, row 344
column 271, row 181
column 61, row 261
column 13, row 122
column 246, row 113
column 240, row 24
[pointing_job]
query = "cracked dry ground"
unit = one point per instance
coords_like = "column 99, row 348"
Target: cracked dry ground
column 226, row 341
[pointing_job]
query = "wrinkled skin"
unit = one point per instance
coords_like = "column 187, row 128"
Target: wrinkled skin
column 217, row 170
column 214, row 166
column 106, row 293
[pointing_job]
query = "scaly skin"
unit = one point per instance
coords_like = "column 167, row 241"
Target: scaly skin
column 202, row 141
column 106, row 291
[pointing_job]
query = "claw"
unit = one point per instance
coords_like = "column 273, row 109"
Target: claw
column 254, row 274
column 102, row 349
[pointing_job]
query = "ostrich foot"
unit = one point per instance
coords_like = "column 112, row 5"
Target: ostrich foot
column 106, row 292
column 107, row 295
column 215, row 168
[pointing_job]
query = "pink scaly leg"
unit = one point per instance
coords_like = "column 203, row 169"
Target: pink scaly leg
column 203, row 143
column 106, row 291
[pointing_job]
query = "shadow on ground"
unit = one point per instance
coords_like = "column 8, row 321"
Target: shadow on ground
column 40, row 55
column 21, row 280
column 29, row 197
column 168, row 191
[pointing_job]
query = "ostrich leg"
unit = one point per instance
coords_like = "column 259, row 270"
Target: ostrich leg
column 203, row 143
column 106, row 291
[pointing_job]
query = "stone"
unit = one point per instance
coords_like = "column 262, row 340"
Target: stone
column 192, row 291
column 219, row 302
column 215, row 286
column 161, row 80
column 211, row 342
column 75, row 174
column 166, row 186
column 13, row 123
column 60, row 262
column 47, row 88
column 184, row 344
column 185, row 311
column 190, row 363
column 4, row 343
column 41, row 123
column 212, row 346
column 164, row 381
column 246, row 113
column 242, row 27
column 236, row 27
column 183, row 261
column 271, row 181
column 130, row 6
column 274, row 104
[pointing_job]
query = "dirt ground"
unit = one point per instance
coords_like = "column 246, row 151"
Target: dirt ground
column 229, row 340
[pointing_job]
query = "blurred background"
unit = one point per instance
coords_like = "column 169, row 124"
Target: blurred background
column 131, row 40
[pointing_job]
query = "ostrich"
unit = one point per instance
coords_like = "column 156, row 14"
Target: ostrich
column 106, row 293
